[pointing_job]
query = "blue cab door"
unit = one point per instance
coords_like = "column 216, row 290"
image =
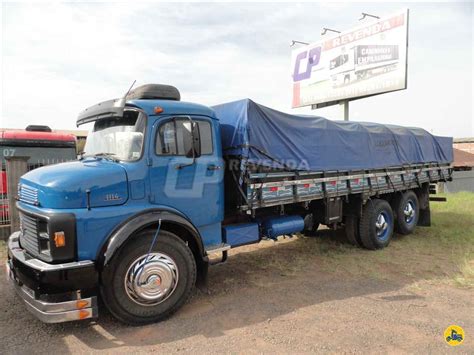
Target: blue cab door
column 193, row 187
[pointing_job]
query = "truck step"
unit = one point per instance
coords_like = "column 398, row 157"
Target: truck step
column 217, row 248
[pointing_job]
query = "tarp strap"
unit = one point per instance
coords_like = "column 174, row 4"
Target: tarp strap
column 240, row 189
column 390, row 180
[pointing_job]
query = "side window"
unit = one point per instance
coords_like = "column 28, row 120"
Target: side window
column 175, row 138
column 205, row 137
column 167, row 139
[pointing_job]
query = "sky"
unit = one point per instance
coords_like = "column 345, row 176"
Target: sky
column 59, row 58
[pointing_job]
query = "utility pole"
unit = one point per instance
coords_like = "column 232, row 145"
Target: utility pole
column 344, row 104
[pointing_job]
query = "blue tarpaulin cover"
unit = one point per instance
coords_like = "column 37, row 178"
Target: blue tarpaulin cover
column 267, row 137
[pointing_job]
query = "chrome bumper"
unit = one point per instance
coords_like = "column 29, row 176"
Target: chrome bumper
column 74, row 308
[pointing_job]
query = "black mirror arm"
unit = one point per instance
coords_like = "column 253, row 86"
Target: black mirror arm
column 180, row 166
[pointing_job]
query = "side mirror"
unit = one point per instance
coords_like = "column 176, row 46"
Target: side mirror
column 196, row 140
column 192, row 141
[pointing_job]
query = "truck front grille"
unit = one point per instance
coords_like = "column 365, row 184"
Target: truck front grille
column 28, row 194
column 29, row 238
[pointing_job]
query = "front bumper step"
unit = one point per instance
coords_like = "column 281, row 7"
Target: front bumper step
column 55, row 312
column 52, row 292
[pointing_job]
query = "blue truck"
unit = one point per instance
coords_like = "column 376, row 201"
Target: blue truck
column 164, row 188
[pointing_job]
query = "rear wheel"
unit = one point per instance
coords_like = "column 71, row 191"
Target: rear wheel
column 376, row 224
column 407, row 210
column 139, row 287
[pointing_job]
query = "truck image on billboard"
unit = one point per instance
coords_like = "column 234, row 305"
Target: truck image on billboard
column 366, row 61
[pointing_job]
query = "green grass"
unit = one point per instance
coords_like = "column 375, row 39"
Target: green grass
column 443, row 251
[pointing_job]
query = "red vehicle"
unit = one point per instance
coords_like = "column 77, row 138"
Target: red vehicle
column 41, row 145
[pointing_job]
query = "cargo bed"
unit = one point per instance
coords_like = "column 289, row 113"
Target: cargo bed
column 266, row 189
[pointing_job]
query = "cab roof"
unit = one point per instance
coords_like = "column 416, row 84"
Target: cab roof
column 22, row 135
column 171, row 107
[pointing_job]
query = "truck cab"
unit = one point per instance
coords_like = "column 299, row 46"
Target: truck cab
column 145, row 168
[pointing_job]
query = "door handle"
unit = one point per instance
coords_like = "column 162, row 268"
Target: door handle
column 180, row 166
column 213, row 167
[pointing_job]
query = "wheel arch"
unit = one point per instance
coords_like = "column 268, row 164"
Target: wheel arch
column 171, row 221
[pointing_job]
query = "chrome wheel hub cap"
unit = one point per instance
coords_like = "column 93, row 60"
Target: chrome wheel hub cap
column 151, row 279
column 381, row 224
column 409, row 212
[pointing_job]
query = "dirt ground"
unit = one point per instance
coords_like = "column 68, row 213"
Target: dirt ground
column 300, row 295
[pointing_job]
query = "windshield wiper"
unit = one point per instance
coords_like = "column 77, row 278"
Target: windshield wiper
column 110, row 156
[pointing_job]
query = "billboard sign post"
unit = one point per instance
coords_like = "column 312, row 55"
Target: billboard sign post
column 368, row 60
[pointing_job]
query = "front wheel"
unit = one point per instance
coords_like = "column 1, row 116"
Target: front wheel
column 140, row 286
column 376, row 224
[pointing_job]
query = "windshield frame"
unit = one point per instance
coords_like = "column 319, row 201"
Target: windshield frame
column 115, row 157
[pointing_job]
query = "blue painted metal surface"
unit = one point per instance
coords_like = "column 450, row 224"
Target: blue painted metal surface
column 239, row 234
column 274, row 226
column 172, row 107
column 194, row 192
column 65, row 185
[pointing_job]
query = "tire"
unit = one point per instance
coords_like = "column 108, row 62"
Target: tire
column 170, row 260
column 315, row 227
column 154, row 91
column 376, row 224
column 311, row 227
column 352, row 230
column 313, row 232
column 407, row 212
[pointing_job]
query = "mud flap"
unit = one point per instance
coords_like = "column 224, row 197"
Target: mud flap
column 423, row 194
column 424, row 219
column 202, row 277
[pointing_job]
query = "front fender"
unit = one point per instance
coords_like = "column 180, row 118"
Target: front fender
column 140, row 221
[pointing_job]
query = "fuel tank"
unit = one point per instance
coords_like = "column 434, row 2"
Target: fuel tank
column 272, row 227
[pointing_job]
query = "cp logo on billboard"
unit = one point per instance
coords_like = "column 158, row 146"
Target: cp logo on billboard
column 313, row 60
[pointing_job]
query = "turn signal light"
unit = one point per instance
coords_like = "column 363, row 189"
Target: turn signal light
column 83, row 314
column 59, row 239
column 158, row 110
column 82, row 304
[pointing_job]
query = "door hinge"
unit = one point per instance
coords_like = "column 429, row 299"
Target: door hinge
column 149, row 161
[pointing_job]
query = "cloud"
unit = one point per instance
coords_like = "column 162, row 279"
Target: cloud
column 61, row 58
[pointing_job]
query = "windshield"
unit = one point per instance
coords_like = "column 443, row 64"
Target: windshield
column 118, row 138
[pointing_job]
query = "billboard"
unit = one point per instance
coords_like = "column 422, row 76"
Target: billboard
column 368, row 60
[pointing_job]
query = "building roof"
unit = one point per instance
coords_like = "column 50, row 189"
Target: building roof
column 464, row 140
column 462, row 159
